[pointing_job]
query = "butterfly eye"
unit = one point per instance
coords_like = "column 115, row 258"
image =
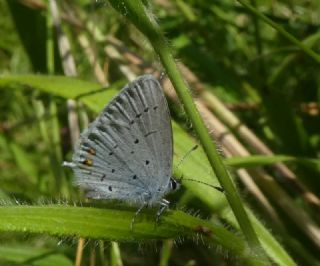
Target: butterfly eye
column 174, row 184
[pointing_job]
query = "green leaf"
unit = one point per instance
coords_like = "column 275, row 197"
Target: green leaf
column 92, row 94
column 114, row 224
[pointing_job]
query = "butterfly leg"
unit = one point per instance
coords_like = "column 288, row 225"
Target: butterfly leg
column 163, row 206
column 136, row 214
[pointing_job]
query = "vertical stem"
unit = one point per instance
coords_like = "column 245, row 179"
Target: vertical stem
column 140, row 16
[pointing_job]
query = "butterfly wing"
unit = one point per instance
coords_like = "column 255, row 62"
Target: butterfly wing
column 126, row 153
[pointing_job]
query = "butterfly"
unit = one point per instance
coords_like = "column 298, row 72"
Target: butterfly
column 126, row 153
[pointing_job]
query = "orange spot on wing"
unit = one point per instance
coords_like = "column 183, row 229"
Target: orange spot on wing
column 88, row 162
column 92, row 151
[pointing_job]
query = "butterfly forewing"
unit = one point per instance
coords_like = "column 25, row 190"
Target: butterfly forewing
column 126, row 153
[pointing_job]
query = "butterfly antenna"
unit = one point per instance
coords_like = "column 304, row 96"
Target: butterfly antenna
column 186, row 155
column 203, row 183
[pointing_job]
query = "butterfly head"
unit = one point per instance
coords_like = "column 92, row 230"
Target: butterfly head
column 174, row 184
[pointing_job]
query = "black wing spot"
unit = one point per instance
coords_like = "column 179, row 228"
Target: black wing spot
column 146, row 109
column 138, row 115
column 112, row 171
column 103, row 177
column 102, row 129
column 131, row 93
column 94, row 138
column 136, row 141
column 147, row 162
column 110, row 188
column 110, row 153
column 134, row 177
column 155, row 107
column 120, row 100
column 109, row 111
column 116, row 126
column 149, row 133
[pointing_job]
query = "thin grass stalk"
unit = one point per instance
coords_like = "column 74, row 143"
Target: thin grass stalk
column 138, row 14
column 307, row 50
